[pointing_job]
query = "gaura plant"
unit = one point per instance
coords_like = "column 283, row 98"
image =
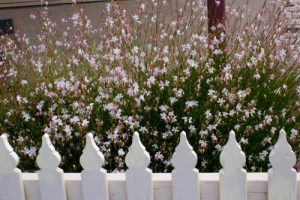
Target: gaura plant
column 153, row 70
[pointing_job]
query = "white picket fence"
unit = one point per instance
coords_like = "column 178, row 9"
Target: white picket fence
column 139, row 183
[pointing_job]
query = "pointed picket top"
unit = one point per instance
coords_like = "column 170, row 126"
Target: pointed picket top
column 184, row 157
column 137, row 156
column 8, row 158
column 185, row 177
column 91, row 159
column 232, row 156
column 282, row 183
column 48, row 158
column 282, row 156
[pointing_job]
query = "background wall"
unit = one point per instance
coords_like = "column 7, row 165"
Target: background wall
column 20, row 14
column 23, row 22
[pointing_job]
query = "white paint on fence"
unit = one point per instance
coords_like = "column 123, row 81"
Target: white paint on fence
column 233, row 178
column 185, row 177
column 93, row 177
column 51, row 182
column 11, row 184
column 282, row 176
column 138, row 176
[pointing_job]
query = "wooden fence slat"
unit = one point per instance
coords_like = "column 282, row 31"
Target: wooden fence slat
column 93, row 177
column 51, row 180
column 11, row 184
column 282, row 183
column 185, row 177
column 233, row 178
column 138, row 176
column 282, row 177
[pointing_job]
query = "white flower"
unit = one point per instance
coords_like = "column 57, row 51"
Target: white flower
column 164, row 108
column 151, row 81
column 117, row 51
column 244, row 141
column 242, row 94
column 158, row 156
column 24, row 82
column 30, row 152
column 221, row 101
column 19, row 98
column 212, row 93
column 192, row 63
column 219, row 147
column 75, row 19
column 203, row 133
column 47, row 130
column 268, row 119
column 178, row 92
column 173, row 100
column 165, row 49
column 192, row 128
column 56, row 120
column 294, row 134
column 143, row 130
column 237, row 127
column 153, row 19
column 20, row 139
column 202, row 143
column 204, row 163
column 135, row 50
column 85, row 123
column 26, row 116
column 298, row 89
column 108, row 7
column 190, row 104
column 135, row 17
column 74, row 119
column 263, row 155
column 68, row 129
column 218, row 52
column 208, row 115
column 257, row 76
column 214, row 137
column 166, row 59
column 121, row 152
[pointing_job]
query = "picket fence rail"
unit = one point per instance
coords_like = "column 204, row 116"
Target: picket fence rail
column 139, row 183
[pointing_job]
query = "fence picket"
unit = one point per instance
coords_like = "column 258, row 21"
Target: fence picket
column 138, row 176
column 10, row 176
column 93, row 177
column 282, row 182
column 185, row 177
column 233, row 178
column 51, row 181
column 96, row 184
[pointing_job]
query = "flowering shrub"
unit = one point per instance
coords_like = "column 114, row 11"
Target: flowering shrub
column 154, row 71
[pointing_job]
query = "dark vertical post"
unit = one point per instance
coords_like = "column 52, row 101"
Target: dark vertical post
column 216, row 13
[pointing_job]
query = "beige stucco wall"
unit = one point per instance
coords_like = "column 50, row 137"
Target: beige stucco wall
column 23, row 22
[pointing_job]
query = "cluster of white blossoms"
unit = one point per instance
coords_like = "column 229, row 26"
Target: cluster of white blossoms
column 155, row 71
